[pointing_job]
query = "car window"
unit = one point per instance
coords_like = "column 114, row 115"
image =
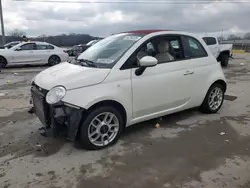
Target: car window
column 193, row 48
column 164, row 49
column 107, row 52
column 44, row 47
column 41, row 47
column 209, row 40
column 50, row 47
column 30, row 46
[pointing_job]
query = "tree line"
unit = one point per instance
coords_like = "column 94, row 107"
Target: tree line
column 235, row 37
column 58, row 40
column 74, row 39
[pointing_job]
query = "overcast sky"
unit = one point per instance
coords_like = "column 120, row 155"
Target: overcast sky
column 103, row 19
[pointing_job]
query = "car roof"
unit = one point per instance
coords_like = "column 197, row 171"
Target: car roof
column 147, row 31
column 37, row 42
column 155, row 32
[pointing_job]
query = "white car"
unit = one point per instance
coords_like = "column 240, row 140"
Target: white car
column 125, row 79
column 32, row 53
column 221, row 52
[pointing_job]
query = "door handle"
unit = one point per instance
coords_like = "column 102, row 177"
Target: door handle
column 188, row 73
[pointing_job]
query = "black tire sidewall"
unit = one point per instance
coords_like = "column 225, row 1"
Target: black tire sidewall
column 85, row 142
column 53, row 56
column 3, row 63
column 224, row 60
column 205, row 105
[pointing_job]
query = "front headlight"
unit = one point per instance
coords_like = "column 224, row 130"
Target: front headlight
column 55, row 95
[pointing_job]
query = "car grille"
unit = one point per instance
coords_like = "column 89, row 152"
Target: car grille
column 42, row 109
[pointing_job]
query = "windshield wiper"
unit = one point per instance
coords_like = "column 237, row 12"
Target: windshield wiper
column 88, row 62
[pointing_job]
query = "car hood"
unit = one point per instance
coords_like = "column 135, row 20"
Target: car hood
column 4, row 49
column 70, row 76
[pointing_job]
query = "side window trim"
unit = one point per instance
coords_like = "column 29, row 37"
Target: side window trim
column 34, row 46
column 184, row 43
column 129, row 63
column 209, row 39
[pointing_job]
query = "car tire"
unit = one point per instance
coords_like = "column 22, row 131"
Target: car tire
column 214, row 99
column 224, row 60
column 54, row 60
column 3, row 63
column 96, row 133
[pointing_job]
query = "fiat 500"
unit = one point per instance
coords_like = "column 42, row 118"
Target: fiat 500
column 124, row 79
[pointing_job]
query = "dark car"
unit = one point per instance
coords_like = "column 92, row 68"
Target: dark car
column 78, row 49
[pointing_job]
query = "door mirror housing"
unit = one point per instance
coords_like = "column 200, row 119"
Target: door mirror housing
column 148, row 61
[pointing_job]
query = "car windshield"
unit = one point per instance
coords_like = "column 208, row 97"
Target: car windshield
column 108, row 51
column 91, row 42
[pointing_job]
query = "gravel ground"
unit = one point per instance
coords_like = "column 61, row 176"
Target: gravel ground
column 187, row 151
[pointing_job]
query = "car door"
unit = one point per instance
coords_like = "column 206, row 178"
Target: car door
column 24, row 54
column 197, row 67
column 162, row 88
column 43, row 52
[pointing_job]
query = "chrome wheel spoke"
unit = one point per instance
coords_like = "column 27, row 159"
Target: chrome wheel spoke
column 93, row 133
column 211, row 102
column 95, row 126
column 99, row 121
column 96, row 138
column 103, row 129
column 113, row 128
column 106, row 117
column 215, row 98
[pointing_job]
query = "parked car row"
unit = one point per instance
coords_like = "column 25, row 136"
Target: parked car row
column 35, row 52
column 124, row 79
column 32, row 53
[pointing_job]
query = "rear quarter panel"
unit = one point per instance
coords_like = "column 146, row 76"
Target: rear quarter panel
column 216, row 74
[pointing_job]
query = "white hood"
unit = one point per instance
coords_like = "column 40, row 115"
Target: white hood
column 70, row 76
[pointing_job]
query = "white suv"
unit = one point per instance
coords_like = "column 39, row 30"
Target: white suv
column 125, row 79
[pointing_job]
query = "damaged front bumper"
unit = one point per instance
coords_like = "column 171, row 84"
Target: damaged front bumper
column 61, row 117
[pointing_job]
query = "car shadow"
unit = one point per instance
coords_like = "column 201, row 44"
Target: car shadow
column 141, row 129
column 26, row 66
column 168, row 121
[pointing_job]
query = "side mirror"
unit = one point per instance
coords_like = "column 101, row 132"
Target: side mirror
column 148, row 61
column 18, row 49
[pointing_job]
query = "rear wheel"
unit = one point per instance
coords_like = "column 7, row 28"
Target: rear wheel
column 101, row 128
column 3, row 63
column 214, row 99
column 54, row 60
column 224, row 60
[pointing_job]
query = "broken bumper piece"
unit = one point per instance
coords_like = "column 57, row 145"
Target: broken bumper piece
column 61, row 117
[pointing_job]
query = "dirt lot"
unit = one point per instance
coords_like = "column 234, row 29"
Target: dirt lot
column 187, row 151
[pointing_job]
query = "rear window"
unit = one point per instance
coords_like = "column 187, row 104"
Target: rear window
column 209, row 40
column 44, row 47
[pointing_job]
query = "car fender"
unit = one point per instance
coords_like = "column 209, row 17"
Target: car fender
column 91, row 95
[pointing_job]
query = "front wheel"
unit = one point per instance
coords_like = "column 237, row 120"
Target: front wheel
column 101, row 128
column 54, row 60
column 224, row 60
column 3, row 63
column 214, row 99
